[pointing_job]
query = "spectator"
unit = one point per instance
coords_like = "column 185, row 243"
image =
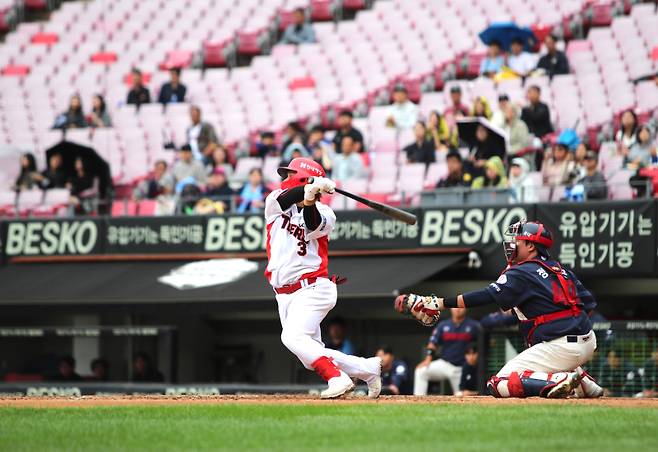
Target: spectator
column 99, row 117
column 217, row 188
column 73, row 117
column 337, row 340
column 481, row 108
column 555, row 61
column 83, row 186
column 456, row 177
column 403, row 113
column 395, row 373
column 186, row 168
column 517, row 131
column 348, row 164
column 299, row 31
column 593, row 181
column 321, row 149
column 219, row 160
column 144, row 371
column 456, row 109
column 522, row 63
column 345, row 128
column 453, row 336
column 494, row 175
column 66, row 370
column 493, row 62
column 293, row 131
column 523, row 187
column 483, row 149
column 642, row 151
column 650, row 376
column 295, row 149
column 159, row 182
column 537, row 115
column 579, row 159
column 468, row 384
column 617, row 377
column 173, row 91
column 190, row 197
column 498, row 116
column 252, row 196
column 557, row 168
column 55, row 175
column 28, row 178
column 201, row 136
column 626, row 136
column 100, row 370
column 422, row 150
column 439, row 132
column 138, row 94
column 266, row 146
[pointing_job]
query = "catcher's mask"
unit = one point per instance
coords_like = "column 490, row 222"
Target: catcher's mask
column 530, row 231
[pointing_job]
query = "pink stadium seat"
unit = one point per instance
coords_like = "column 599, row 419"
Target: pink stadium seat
column 322, row 10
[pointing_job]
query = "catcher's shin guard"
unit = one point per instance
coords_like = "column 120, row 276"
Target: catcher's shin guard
column 528, row 384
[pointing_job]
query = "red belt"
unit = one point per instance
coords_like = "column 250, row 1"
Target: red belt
column 292, row 288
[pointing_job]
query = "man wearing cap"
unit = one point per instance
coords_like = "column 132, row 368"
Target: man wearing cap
column 456, row 177
column 593, row 181
column 456, row 109
column 403, row 113
column 188, row 167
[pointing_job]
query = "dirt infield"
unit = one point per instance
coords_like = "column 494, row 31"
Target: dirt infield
column 284, row 399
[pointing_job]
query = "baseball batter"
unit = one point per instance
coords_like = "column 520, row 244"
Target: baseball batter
column 552, row 306
column 298, row 228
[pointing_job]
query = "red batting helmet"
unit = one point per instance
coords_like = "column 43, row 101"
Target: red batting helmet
column 530, row 231
column 298, row 171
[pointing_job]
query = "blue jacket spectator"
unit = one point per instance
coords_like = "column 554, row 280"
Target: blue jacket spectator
column 493, row 62
column 337, row 339
column 252, row 196
column 299, row 32
column 396, row 378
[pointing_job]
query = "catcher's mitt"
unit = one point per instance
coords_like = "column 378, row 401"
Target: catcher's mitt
column 427, row 310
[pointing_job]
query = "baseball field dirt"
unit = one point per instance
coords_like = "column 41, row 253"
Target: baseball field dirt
column 292, row 423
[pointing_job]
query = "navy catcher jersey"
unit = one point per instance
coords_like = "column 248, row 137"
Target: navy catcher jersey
column 454, row 339
column 531, row 290
column 398, row 376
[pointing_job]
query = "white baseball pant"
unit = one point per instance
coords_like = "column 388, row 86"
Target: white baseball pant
column 436, row 371
column 301, row 313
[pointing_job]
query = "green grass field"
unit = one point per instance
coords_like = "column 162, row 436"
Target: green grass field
column 359, row 427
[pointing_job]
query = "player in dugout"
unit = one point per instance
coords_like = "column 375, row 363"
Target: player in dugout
column 552, row 306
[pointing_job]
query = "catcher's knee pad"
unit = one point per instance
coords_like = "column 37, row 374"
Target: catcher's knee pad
column 504, row 387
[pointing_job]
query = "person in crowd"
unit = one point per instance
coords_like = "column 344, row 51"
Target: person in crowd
column 190, row 198
column 481, row 108
column 457, row 176
column 55, row 175
column 348, row 164
column 536, row 114
column 99, row 116
column 158, row 183
column 187, row 168
column 554, row 62
column 201, row 136
column 626, row 136
column 642, row 151
column 172, row 91
column 422, row 150
column 295, row 149
column 579, row 159
column 396, row 377
column 322, row 150
column 293, row 132
column 299, row 31
column 29, row 177
column 557, row 167
column 483, row 149
column 522, row 63
column 345, row 127
column 83, row 186
column 517, row 131
column 456, row 109
column 498, row 116
column 73, row 117
column 337, row 336
column 468, row 384
column 494, row 175
column 266, row 146
column 219, row 160
column 493, row 62
column 403, row 113
column 66, row 370
column 217, row 188
column 593, row 181
column 144, row 371
column 650, row 376
column 523, row 187
column 138, row 93
column 100, row 370
column 453, row 336
column 252, row 195
column 439, row 132
column 618, row 377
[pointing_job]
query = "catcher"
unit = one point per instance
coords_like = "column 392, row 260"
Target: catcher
column 552, row 306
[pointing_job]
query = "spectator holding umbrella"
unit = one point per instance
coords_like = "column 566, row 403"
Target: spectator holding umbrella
column 536, row 115
column 554, row 62
column 484, row 141
column 493, row 62
column 55, row 175
column 520, row 62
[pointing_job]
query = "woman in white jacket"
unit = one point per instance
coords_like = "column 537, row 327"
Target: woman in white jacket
column 523, row 186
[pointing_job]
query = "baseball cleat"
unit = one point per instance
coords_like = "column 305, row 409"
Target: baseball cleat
column 566, row 387
column 338, row 386
column 375, row 383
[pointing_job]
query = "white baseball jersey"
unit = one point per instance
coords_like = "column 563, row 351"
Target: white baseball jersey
column 294, row 252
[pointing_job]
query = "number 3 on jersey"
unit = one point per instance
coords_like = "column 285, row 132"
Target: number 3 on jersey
column 302, row 248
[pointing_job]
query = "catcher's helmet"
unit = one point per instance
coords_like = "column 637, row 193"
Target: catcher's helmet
column 530, row 231
column 298, row 171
